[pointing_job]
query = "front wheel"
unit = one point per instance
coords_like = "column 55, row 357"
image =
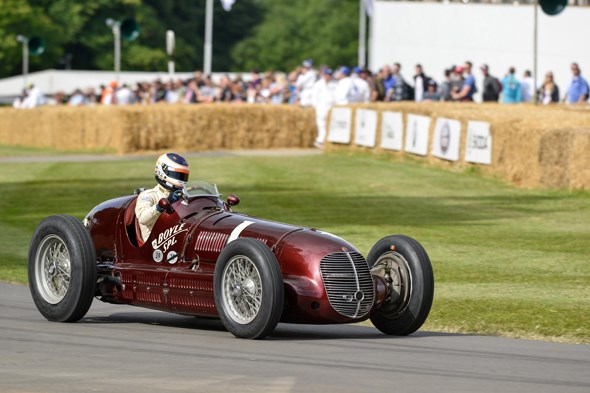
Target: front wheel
column 62, row 269
column 248, row 287
column 404, row 264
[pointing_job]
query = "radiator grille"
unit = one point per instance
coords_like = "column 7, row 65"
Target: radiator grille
column 348, row 283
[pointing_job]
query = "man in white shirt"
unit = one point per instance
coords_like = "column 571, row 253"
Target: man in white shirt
column 346, row 90
column 124, row 95
column 323, row 99
column 361, row 87
column 34, row 97
column 528, row 87
column 305, row 82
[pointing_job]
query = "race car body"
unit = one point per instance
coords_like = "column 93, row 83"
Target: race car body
column 204, row 259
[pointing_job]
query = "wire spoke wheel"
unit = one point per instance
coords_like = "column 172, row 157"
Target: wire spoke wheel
column 62, row 269
column 53, row 269
column 248, row 287
column 242, row 289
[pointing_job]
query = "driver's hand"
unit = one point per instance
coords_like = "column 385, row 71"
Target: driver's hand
column 164, row 206
column 174, row 196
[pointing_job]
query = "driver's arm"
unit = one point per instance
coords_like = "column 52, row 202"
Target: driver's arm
column 146, row 209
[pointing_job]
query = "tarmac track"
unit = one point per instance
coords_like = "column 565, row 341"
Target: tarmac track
column 126, row 349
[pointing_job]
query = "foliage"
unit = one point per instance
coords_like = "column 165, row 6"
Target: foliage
column 326, row 31
column 506, row 261
column 255, row 33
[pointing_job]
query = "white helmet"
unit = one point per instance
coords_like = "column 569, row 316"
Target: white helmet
column 172, row 171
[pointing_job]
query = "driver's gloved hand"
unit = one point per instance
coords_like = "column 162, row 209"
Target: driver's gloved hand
column 163, row 205
column 174, row 196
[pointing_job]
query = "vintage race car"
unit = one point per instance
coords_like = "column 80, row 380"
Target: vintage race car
column 204, row 259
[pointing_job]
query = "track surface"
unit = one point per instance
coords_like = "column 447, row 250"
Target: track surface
column 126, row 349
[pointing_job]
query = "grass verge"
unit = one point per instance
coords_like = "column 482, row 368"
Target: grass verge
column 21, row 151
column 507, row 261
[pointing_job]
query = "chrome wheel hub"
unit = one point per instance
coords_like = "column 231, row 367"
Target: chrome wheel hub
column 394, row 269
column 53, row 269
column 241, row 289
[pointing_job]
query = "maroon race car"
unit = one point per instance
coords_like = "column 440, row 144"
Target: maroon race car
column 204, row 259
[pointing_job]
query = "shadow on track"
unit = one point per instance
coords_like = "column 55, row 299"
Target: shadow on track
column 283, row 332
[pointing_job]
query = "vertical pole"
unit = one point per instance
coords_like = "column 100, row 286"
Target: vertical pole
column 170, row 46
column 535, row 42
column 117, row 36
column 25, row 60
column 208, row 37
column 362, row 34
column 171, row 69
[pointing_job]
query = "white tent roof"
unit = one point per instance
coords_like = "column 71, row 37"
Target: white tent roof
column 53, row 81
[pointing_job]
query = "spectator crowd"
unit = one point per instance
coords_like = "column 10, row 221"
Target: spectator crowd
column 345, row 85
column 322, row 88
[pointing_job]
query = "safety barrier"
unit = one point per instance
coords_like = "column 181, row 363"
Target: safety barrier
column 526, row 145
column 146, row 128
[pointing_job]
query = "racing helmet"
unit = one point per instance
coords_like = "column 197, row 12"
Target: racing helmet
column 172, row 171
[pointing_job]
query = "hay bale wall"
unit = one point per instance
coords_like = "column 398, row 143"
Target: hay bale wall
column 139, row 128
column 532, row 146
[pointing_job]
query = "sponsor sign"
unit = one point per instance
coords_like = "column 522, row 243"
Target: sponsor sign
column 392, row 130
column 478, row 147
column 365, row 127
column 417, row 134
column 447, row 137
column 340, row 125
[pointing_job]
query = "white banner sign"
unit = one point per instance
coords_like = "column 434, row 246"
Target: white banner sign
column 340, row 124
column 447, row 139
column 479, row 143
column 365, row 127
column 392, row 130
column 417, row 134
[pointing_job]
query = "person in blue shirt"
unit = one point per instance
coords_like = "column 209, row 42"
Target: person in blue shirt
column 511, row 88
column 578, row 89
column 468, row 89
column 388, row 82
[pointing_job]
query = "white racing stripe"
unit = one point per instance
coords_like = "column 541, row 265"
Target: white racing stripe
column 237, row 230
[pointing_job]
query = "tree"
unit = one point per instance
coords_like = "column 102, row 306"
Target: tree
column 265, row 34
column 326, row 31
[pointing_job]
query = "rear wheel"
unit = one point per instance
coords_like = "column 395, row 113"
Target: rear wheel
column 404, row 264
column 248, row 289
column 62, row 269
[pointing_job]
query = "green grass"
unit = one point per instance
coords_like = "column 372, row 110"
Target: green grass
column 507, row 261
column 19, row 151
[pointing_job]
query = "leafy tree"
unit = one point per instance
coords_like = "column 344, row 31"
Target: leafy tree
column 326, row 31
column 274, row 34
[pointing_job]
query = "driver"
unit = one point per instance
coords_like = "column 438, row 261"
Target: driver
column 171, row 174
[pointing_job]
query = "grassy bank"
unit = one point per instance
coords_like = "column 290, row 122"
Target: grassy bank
column 507, row 261
column 24, row 151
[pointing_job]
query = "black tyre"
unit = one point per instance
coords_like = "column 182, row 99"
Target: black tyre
column 62, row 269
column 404, row 263
column 248, row 287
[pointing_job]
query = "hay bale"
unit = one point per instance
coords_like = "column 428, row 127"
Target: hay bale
column 533, row 146
column 147, row 128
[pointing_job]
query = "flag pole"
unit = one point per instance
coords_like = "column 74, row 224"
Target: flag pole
column 535, row 46
column 208, row 37
column 362, row 35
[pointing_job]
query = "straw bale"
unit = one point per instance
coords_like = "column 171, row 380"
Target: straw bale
column 532, row 146
column 156, row 127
